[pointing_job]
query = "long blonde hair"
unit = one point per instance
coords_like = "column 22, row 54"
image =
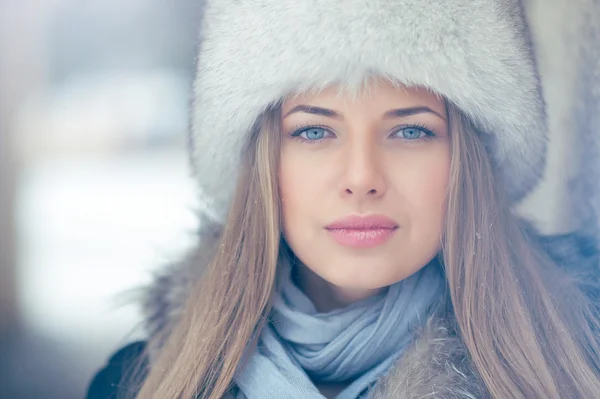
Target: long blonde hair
column 527, row 328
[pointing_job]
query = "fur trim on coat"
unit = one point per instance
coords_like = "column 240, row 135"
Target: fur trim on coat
column 435, row 366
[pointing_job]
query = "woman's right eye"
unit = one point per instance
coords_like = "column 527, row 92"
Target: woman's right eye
column 311, row 133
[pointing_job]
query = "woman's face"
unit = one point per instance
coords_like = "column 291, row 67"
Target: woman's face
column 363, row 183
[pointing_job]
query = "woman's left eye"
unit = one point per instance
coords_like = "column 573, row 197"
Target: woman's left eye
column 412, row 133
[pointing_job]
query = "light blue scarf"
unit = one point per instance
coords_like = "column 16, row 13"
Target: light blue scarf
column 358, row 343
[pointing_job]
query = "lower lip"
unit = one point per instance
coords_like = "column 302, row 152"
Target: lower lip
column 367, row 238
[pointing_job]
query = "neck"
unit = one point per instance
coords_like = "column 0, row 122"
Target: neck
column 326, row 296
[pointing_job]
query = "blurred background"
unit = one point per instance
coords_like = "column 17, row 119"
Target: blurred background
column 94, row 186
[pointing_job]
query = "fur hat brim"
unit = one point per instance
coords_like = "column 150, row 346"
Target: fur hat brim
column 476, row 54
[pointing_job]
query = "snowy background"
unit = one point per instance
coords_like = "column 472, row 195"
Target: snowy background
column 95, row 190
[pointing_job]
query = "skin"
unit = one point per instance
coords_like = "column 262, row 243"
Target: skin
column 353, row 156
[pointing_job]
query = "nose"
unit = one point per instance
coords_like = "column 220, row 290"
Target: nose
column 364, row 177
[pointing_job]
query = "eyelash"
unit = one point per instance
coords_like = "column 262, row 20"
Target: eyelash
column 302, row 128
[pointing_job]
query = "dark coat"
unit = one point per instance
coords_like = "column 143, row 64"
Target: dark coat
column 110, row 382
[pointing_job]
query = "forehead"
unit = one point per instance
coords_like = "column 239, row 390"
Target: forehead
column 376, row 93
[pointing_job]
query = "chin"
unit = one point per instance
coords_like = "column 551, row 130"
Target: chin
column 363, row 274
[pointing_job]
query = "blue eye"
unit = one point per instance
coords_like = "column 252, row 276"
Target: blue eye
column 311, row 133
column 412, row 133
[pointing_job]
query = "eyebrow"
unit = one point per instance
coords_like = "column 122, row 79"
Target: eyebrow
column 394, row 113
column 403, row 112
column 315, row 111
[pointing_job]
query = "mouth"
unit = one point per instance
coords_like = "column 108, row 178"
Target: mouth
column 365, row 238
column 362, row 231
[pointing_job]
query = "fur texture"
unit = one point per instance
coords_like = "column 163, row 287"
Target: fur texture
column 253, row 53
column 436, row 366
column 474, row 52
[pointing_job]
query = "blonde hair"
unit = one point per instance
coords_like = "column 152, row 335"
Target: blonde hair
column 527, row 328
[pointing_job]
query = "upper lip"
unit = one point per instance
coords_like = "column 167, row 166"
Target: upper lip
column 358, row 222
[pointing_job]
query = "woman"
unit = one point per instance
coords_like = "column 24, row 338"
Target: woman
column 360, row 160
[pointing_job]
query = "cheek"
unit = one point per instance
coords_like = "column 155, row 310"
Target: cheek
column 425, row 193
column 301, row 183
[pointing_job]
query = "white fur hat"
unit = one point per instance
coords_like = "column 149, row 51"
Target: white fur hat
column 476, row 53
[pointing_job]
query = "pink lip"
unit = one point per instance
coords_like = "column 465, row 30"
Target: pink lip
column 362, row 231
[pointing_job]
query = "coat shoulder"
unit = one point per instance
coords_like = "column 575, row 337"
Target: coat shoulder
column 121, row 376
column 578, row 255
